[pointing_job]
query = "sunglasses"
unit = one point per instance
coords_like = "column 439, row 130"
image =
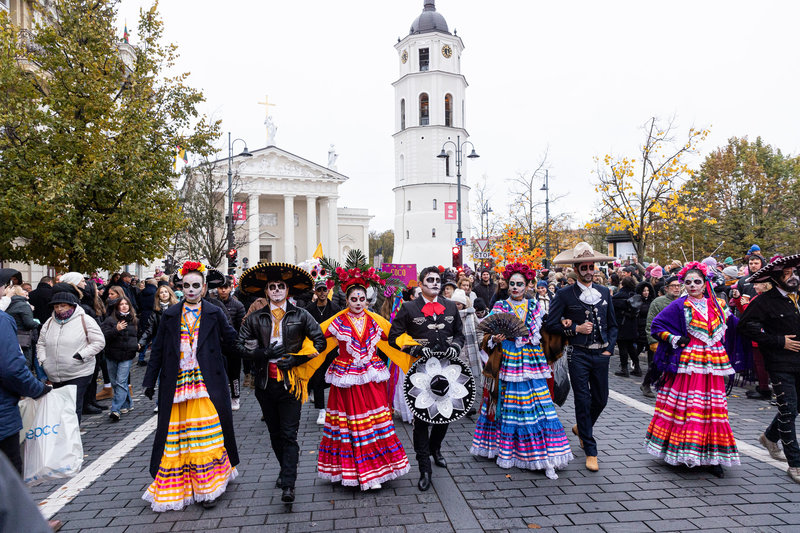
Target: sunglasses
column 192, row 285
column 322, row 289
column 693, row 282
column 276, row 286
column 586, row 268
column 516, row 283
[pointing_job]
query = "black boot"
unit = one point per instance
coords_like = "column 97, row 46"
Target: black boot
column 717, row 471
column 288, row 495
column 438, row 459
column 208, row 504
column 424, row 481
column 759, row 394
column 622, row 372
column 98, row 406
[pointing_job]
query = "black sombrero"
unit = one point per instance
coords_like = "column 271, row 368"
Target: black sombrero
column 439, row 389
column 774, row 267
column 214, row 278
column 254, row 279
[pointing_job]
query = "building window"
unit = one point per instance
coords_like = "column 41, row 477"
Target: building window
column 434, row 204
column 424, row 110
column 409, row 206
column 403, row 114
column 424, row 59
column 408, row 234
column 402, row 167
column 433, row 233
column 448, row 110
column 447, row 165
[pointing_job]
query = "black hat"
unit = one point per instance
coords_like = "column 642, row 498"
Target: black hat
column 214, row 278
column 320, row 284
column 774, row 268
column 439, row 389
column 64, row 297
column 479, row 304
column 228, row 281
column 671, row 279
column 254, row 279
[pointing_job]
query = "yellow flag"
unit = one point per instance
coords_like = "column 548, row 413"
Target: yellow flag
column 318, row 252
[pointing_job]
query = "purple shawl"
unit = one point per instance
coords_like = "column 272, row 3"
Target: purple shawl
column 672, row 320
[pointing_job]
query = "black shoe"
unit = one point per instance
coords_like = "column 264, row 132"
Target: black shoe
column 717, row 471
column 424, row 481
column 636, row 372
column 208, row 504
column 142, row 363
column 623, row 373
column 98, row 406
column 438, row 459
column 647, row 392
column 472, row 411
column 279, row 483
column 90, row 409
column 288, row 495
column 759, row 394
column 114, row 416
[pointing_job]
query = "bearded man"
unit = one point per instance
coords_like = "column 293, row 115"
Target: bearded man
column 772, row 319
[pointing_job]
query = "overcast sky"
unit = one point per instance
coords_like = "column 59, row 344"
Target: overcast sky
column 577, row 78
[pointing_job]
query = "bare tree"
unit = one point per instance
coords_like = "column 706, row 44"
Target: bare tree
column 204, row 205
column 481, row 209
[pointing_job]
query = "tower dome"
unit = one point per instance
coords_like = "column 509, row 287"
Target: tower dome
column 429, row 20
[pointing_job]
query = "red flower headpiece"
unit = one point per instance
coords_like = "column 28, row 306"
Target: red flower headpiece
column 357, row 276
column 192, row 266
column 519, row 268
column 696, row 265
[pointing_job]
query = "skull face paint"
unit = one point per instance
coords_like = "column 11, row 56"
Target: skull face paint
column 357, row 301
column 193, row 286
column 516, row 286
column 431, row 285
column 276, row 292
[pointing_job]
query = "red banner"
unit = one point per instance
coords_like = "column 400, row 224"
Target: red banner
column 239, row 211
column 451, row 211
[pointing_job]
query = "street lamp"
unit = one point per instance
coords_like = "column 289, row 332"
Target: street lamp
column 245, row 153
column 546, row 189
column 485, row 210
column 459, row 146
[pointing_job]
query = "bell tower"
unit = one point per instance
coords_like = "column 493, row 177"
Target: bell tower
column 429, row 111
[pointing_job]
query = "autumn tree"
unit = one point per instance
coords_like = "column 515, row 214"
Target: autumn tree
column 639, row 192
column 383, row 243
column 482, row 209
column 512, row 246
column 88, row 137
column 752, row 190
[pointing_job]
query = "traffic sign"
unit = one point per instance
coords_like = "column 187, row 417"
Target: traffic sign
column 482, row 255
column 461, row 242
column 482, row 243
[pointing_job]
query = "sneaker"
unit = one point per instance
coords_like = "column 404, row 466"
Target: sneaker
column 234, row 404
column 126, row 410
column 772, row 447
column 114, row 416
column 794, row 473
column 321, row 417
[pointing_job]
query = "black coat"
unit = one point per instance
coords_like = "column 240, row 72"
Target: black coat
column 485, row 292
column 145, row 299
column 256, row 331
column 120, row 345
column 40, row 298
column 768, row 318
column 448, row 330
column 321, row 314
column 235, row 311
column 147, row 334
column 215, row 332
column 627, row 315
column 567, row 304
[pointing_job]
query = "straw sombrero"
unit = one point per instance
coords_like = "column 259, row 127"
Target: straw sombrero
column 582, row 253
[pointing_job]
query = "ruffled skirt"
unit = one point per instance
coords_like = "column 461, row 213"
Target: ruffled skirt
column 525, row 431
column 359, row 445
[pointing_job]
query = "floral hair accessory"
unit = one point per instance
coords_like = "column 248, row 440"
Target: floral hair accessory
column 192, row 266
column 356, row 271
column 519, row 268
column 696, row 265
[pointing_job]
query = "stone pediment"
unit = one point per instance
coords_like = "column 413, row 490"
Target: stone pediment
column 273, row 162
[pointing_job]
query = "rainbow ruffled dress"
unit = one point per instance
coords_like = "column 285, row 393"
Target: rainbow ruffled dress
column 195, row 465
column 359, row 445
column 690, row 425
column 523, row 429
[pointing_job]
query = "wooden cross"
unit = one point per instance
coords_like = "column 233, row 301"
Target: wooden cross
column 266, row 105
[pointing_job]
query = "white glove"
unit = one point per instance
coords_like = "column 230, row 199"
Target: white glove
column 451, row 352
column 426, row 352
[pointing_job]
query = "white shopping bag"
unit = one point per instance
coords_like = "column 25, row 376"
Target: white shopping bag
column 27, row 411
column 53, row 448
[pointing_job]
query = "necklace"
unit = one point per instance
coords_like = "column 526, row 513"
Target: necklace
column 321, row 310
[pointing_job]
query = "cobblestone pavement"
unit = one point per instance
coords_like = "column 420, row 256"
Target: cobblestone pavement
column 632, row 491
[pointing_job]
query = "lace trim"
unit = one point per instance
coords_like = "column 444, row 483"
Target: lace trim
column 372, row 483
column 194, row 498
column 371, row 375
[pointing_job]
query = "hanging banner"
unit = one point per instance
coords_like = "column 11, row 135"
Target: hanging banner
column 451, row 212
column 239, row 211
column 404, row 273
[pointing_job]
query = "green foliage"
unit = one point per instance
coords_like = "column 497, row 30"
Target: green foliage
column 88, row 142
column 382, row 242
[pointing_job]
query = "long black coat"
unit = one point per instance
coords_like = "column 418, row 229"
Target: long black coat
column 446, row 330
column 215, row 332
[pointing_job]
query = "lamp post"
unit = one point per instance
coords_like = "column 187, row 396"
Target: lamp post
column 459, row 146
column 485, row 210
column 546, row 189
column 229, row 218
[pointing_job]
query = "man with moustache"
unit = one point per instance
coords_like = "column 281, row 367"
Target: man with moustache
column 583, row 313
column 772, row 319
column 435, row 324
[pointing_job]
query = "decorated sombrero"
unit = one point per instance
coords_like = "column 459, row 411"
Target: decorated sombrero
column 254, row 279
column 774, row 268
column 439, row 389
column 214, row 278
column 582, row 253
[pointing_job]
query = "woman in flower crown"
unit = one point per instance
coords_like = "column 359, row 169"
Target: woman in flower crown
column 359, row 446
column 518, row 423
column 194, row 450
column 690, row 425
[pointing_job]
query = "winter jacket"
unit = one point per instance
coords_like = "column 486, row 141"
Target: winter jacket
column 20, row 310
column 641, row 318
column 15, row 378
column 145, row 300
column 235, row 311
column 658, row 305
column 147, row 334
column 58, row 343
column 40, row 298
column 485, row 292
column 120, row 345
column 767, row 320
column 626, row 315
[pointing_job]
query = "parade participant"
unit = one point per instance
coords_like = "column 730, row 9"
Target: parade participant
column 278, row 338
column 690, row 425
column 518, row 423
column 359, row 446
column 773, row 321
column 322, row 309
column 471, row 352
column 194, row 451
column 236, row 314
column 591, row 327
column 396, row 374
column 434, row 323
column 672, row 289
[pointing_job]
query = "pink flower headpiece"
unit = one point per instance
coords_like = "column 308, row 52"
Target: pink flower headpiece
column 696, row 265
column 519, row 268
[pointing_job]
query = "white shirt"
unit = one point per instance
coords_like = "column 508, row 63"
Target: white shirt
column 279, row 337
column 589, row 295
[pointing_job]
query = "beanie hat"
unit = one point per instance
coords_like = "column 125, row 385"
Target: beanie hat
column 479, row 304
column 731, row 272
column 657, row 272
column 541, row 283
column 72, row 277
column 63, row 297
column 459, row 297
column 710, row 261
column 753, row 249
column 728, row 260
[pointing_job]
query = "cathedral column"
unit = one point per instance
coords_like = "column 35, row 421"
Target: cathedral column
column 288, row 228
column 311, row 226
column 333, row 227
column 253, row 232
